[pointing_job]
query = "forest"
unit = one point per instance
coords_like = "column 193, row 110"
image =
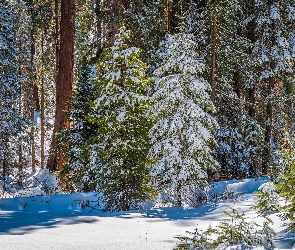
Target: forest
column 147, row 98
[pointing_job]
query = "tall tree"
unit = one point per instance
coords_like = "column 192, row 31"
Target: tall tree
column 13, row 123
column 120, row 112
column 182, row 135
column 221, row 37
column 64, row 83
column 80, row 170
column 275, row 53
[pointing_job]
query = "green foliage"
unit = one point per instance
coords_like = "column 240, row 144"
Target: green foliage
column 267, row 199
column 239, row 135
column 233, row 230
column 120, row 112
column 182, row 135
column 14, row 125
column 75, row 142
column 286, row 188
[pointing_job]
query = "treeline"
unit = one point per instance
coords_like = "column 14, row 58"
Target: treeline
column 147, row 96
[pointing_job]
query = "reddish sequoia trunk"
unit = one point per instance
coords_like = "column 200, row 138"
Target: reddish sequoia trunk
column 116, row 12
column 64, row 83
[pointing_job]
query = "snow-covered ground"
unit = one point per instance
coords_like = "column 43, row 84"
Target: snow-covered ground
column 73, row 222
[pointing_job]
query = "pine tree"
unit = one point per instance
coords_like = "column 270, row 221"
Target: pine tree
column 220, row 30
column 286, row 185
column 13, row 124
column 121, row 115
column 182, row 135
column 80, row 170
column 274, row 52
column 45, row 64
column 149, row 29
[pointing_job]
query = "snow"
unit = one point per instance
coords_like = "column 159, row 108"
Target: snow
column 71, row 221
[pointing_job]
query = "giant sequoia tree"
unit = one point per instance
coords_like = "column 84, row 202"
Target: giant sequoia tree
column 64, row 83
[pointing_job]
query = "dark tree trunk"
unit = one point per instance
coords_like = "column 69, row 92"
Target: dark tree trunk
column 32, row 85
column 213, row 52
column 269, row 112
column 116, row 13
column 64, row 83
column 249, row 6
column 56, row 34
column 268, row 128
column 249, row 9
column 174, row 14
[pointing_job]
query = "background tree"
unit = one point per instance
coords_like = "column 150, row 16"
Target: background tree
column 80, row 169
column 64, row 82
column 274, row 51
column 13, row 124
column 222, row 39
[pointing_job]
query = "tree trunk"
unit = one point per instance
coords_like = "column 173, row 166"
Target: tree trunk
column 213, row 52
column 32, row 108
column 98, row 24
column 64, row 83
column 167, row 7
column 250, row 9
column 56, row 37
column 114, row 12
column 268, row 127
column 42, row 133
column 42, row 125
column 174, row 14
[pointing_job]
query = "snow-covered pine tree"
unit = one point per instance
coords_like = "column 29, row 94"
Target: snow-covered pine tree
column 120, row 112
column 274, row 50
column 12, row 123
column 76, row 141
column 182, row 136
column 220, row 30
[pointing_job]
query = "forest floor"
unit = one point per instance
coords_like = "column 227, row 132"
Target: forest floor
column 70, row 221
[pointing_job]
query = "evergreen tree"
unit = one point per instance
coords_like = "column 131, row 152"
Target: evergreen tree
column 80, row 170
column 220, row 30
column 149, row 30
column 45, row 66
column 286, row 185
column 182, row 135
column 13, row 124
column 122, row 137
column 274, row 51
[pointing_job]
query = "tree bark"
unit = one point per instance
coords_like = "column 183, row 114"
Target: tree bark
column 174, row 14
column 32, row 108
column 42, row 132
column 56, row 37
column 269, row 111
column 116, row 12
column 64, row 83
column 249, row 10
column 213, row 52
column 42, row 125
